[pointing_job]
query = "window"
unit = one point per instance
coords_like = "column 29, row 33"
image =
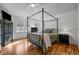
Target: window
column 21, row 28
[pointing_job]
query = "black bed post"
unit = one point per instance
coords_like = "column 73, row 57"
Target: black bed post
column 57, row 30
column 43, row 28
column 27, row 27
column 27, row 30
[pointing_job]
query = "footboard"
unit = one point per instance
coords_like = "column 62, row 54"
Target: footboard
column 35, row 39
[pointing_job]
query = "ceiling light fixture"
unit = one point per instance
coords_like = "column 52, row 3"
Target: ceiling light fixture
column 32, row 5
column 35, row 6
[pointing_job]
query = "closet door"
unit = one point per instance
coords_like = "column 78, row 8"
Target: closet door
column 2, row 34
column 8, row 33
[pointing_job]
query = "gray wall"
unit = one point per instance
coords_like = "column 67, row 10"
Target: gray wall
column 68, row 21
column 18, row 20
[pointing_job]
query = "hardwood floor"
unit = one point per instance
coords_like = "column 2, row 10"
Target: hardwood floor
column 20, row 48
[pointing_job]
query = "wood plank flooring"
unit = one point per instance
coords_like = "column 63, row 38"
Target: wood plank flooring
column 20, row 47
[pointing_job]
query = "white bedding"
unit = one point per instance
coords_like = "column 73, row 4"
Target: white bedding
column 47, row 41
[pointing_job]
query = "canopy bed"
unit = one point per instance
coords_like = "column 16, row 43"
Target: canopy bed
column 42, row 29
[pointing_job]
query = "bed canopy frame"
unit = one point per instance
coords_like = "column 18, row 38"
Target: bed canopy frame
column 42, row 21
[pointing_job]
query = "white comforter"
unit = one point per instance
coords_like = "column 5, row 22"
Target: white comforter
column 47, row 40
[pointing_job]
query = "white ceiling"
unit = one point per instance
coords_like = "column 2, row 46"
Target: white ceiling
column 22, row 9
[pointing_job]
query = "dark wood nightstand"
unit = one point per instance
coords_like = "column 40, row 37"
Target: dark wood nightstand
column 64, row 38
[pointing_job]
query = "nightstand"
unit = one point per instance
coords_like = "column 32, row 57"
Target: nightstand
column 64, row 38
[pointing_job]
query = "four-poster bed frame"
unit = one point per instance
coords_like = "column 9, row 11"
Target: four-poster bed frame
column 43, row 23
